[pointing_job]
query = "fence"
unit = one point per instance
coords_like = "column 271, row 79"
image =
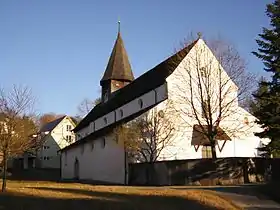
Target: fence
column 204, row 171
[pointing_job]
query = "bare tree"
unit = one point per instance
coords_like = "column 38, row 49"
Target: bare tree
column 148, row 135
column 16, row 125
column 86, row 106
column 212, row 84
column 48, row 117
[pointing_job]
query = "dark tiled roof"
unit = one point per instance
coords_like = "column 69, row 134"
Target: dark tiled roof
column 106, row 130
column 51, row 125
column 198, row 137
column 118, row 67
column 143, row 84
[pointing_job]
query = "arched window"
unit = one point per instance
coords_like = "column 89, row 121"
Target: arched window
column 105, row 120
column 140, row 102
column 246, row 120
column 161, row 114
column 103, row 142
column 121, row 113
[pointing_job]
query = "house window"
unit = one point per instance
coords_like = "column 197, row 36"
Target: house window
column 92, row 145
column 69, row 138
column 205, row 109
column 121, row 113
column 203, row 72
column 46, row 158
column 140, row 102
column 68, row 127
column 105, row 120
column 103, row 142
column 206, row 152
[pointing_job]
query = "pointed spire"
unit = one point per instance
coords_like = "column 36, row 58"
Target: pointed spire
column 118, row 67
column 119, row 26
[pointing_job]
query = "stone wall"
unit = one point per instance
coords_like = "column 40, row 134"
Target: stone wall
column 223, row 171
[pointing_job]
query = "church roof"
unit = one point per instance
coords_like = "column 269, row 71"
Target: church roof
column 118, row 67
column 143, row 84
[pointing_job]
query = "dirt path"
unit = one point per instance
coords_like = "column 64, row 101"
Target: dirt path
column 245, row 196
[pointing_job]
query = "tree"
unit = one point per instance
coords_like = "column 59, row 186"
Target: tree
column 268, row 101
column 127, row 135
column 145, row 137
column 86, row 106
column 156, row 130
column 211, row 85
column 48, row 117
column 16, row 125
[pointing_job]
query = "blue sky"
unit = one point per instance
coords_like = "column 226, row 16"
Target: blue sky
column 60, row 48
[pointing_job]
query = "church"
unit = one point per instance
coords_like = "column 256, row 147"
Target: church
column 97, row 155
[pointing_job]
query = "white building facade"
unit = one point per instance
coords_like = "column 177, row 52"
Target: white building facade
column 55, row 135
column 98, row 156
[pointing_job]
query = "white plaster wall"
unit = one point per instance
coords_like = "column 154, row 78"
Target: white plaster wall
column 55, row 140
column 102, row 164
column 243, row 144
column 130, row 108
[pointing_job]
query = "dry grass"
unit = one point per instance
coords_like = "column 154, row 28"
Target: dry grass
column 51, row 195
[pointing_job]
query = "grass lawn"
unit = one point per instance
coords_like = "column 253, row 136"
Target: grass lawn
column 52, row 196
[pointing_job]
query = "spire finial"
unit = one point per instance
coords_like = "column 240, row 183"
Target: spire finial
column 199, row 34
column 119, row 26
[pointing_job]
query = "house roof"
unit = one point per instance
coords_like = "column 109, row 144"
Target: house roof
column 198, row 137
column 51, row 125
column 143, row 84
column 118, row 67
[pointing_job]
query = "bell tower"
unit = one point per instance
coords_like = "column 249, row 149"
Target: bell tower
column 118, row 72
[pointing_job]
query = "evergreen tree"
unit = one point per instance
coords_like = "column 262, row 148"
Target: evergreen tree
column 267, row 98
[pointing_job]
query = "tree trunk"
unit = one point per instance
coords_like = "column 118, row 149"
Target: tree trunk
column 4, row 176
column 213, row 150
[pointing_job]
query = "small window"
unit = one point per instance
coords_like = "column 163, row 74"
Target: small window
column 206, row 152
column 92, row 145
column 68, row 127
column 246, row 120
column 103, row 142
column 161, row 114
column 140, row 102
column 106, row 96
column 121, row 113
column 203, row 72
column 105, row 120
column 46, row 147
column 69, row 138
column 46, row 158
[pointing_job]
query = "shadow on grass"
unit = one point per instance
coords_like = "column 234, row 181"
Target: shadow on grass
column 96, row 200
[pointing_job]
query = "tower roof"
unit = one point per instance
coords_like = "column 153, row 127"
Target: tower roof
column 118, row 67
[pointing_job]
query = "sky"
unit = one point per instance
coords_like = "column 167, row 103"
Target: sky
column 60, row 48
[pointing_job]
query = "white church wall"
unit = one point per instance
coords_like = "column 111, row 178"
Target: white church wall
column 95, row 163
column 243, row 146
